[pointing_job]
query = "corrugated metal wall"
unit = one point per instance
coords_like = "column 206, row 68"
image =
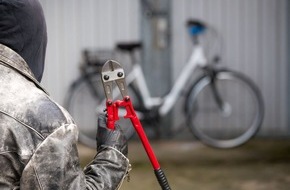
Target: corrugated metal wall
column 74, row 25
column 254, row 32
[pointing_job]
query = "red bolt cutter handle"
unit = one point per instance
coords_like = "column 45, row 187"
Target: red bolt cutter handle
column 112, row 110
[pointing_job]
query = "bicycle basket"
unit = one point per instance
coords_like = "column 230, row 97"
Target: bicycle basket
column 97, row 57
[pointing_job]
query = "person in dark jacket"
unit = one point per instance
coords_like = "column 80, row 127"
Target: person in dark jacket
column 38, row 138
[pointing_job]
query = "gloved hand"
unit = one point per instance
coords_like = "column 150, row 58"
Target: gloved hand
column 112, row 138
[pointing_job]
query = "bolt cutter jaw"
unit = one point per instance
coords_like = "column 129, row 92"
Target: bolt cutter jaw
column 113, row 71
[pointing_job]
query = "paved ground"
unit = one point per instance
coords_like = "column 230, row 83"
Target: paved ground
column 259, row 165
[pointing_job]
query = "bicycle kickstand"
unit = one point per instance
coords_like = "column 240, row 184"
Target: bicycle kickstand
column 112, row 71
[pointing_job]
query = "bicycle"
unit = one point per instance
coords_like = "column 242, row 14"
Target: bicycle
column 214, row 112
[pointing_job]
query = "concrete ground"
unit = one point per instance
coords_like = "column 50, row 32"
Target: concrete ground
column 261, row 164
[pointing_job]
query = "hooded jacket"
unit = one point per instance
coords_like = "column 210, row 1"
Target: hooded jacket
column 38, row 138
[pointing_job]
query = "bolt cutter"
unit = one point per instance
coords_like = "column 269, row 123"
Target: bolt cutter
column 112, row 72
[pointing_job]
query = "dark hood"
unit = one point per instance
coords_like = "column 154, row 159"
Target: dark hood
column 23, row 29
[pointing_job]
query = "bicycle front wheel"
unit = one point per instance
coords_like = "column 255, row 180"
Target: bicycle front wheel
column 226, row 111
column 85, row 102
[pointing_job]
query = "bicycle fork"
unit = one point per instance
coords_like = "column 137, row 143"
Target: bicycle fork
column 112, row 71
column 223, row 106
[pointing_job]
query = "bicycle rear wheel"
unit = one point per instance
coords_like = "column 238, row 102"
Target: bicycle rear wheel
column 226, row 111
column 85, row 101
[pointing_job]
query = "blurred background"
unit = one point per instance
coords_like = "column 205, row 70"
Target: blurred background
column 254, row 32
column 255, row 36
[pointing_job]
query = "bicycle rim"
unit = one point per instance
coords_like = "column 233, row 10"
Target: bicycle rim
column 233, row 123
column 85, row 105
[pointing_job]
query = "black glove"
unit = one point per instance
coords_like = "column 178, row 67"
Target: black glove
column 113, row 138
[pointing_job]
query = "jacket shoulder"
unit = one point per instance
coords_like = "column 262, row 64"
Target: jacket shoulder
column 26, row 103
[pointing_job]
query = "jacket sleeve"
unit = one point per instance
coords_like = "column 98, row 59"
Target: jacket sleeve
column 55, row 165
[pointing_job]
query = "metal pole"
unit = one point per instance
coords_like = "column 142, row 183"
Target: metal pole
column 288, row 48
column 156, row 55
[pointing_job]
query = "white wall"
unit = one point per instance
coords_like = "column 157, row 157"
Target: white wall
column 255, row 42
column 254, row 33
column 74, row 25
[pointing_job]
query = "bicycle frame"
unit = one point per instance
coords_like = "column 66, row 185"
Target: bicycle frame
column 196, row 59
column 166, row 103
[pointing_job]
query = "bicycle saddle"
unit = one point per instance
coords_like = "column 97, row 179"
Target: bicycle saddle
column 129, row 46
column 195, row 27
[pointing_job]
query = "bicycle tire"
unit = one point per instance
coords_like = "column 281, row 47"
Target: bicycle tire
column 237, row 121
column 85, row 105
